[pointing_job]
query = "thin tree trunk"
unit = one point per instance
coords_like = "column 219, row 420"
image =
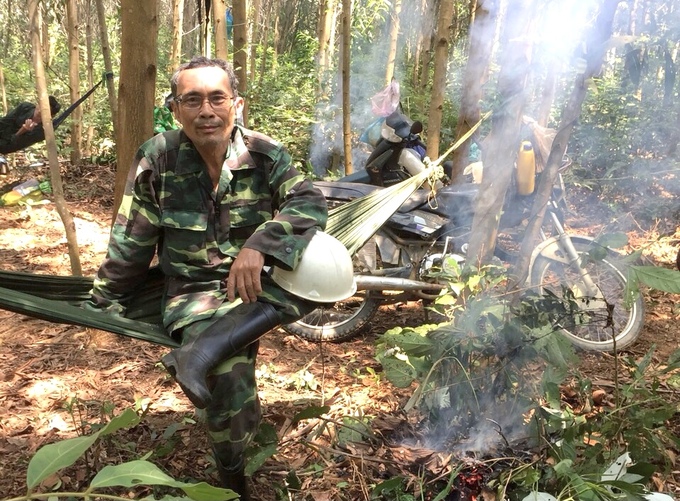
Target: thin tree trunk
column 219, row 11
column 482, row 33
column 106, row 53
column 240, row 12
column 265, row 43
column 325, row 25
column 394, row 38
column 177, row 32
column 596, row 49
column 89, row 135
column 45, row 37
column 547, row 97
column 74, row 80
column 346, row 44
column 52, row 154
column 441, row 57
column 254, row 36
column 500, row 148
column 137, row 85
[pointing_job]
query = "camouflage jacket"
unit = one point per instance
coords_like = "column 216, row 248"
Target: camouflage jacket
column 169, row 207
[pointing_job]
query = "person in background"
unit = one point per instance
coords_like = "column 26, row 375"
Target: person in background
column 25, row 118
column 217, row 204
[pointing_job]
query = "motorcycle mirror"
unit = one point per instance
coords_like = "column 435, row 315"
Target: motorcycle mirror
column 417, row 127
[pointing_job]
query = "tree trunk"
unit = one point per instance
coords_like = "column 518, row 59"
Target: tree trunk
column 106, row 53
column 177, row 32
column 346, row 44
column 547, row 97
column 240, row 13
column 595, row 50
column 74, row 80
column 394, row 38
column 254, row 37
column 265, row 43
column 219, row 11
column 325, row 26
column 89, row 135
column 137, row 85
column 441, row 59
column 500, row 148
column 52, row 154
column 482, row 34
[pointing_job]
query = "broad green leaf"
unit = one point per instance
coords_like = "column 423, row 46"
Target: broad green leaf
column 136, row 473
column 613, row 240
column 399, row 372
column 392, row 483
column 310, row 413
column 259, row 457
column 659, row 278
column 51, row 458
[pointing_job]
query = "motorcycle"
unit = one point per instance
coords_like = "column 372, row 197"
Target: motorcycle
column 400, row 262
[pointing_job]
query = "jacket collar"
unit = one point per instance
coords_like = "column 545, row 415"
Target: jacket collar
column 237, row 158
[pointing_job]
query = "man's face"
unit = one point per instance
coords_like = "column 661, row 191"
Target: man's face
column 208, row 126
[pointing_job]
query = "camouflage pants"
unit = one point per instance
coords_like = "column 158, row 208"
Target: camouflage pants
column 234, row 414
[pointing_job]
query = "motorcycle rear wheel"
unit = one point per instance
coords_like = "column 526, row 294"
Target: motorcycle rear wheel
column 336, row 323
column 605, row 321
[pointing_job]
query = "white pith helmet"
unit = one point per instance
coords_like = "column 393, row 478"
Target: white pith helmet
column 324, row 274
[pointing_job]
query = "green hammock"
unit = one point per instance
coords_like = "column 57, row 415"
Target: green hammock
column 60, row 298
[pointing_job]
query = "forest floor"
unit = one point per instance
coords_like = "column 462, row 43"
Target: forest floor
column 57, row 380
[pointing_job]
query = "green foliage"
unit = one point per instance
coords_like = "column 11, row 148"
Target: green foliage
column 54, row 457
column 502, row 362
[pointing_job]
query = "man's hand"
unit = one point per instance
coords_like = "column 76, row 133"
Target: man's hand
column 28, row 126
column 244, row 276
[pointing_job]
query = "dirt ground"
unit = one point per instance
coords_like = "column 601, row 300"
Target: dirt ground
column 57, row 380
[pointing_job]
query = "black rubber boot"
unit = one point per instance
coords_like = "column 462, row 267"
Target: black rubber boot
column 234, row 480
column 191, row 363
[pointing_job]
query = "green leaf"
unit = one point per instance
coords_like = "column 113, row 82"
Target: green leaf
column 399, row 372
column 259, row 457
column 138, row 472
column 53, row 457
column 613, row 240
column 659, row 278
column 387, row 485
column 311, row 413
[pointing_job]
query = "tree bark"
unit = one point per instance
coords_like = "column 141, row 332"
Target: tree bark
column 441, row 55
column 177, row 33
column 254, row 36
column 482, row 33
column 500, row 148
column 325, row 26
column 595, row 51
column 346, row 44
column 52, row 154
column 89, row 134
column 106, row 53
column 136, row 90
column 74, row 80
column 240, row 13
column 394, row 38
column 219, row 11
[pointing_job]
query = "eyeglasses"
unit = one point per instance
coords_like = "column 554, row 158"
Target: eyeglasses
column 195, row 101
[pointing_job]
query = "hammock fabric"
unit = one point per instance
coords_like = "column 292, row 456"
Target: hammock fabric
column 60, row 298
column 38, row 134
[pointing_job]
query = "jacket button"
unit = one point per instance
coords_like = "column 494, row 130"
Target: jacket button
column 289, row 250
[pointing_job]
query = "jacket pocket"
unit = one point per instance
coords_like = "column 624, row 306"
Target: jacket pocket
column 184, row 236
column 246, row 215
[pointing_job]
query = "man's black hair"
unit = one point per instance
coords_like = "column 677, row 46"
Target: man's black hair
column 54, row 105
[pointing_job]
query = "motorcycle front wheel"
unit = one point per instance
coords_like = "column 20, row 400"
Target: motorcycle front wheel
column 338, row 322
column 603, row 321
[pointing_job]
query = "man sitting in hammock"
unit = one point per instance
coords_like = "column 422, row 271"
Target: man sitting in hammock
column 22, row 126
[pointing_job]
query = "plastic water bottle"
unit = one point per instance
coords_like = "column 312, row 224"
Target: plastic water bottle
column 21, row 192
column 526, row 169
